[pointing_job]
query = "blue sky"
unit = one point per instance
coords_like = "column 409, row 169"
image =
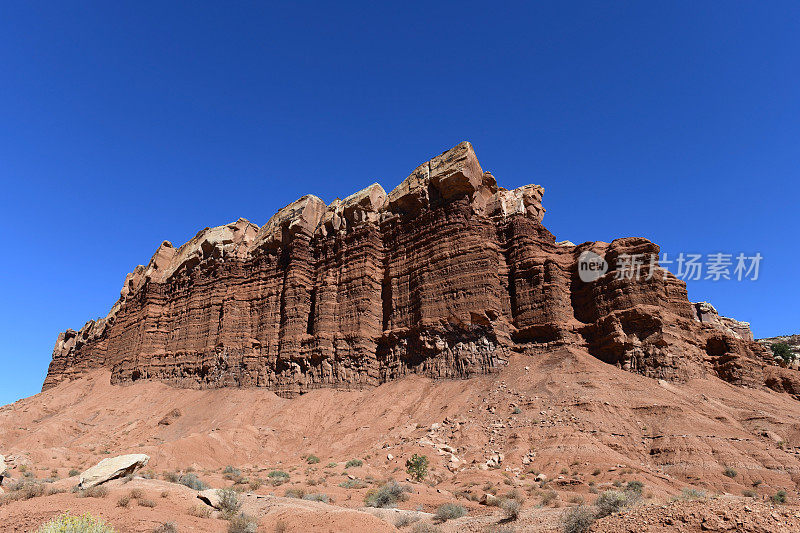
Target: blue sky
column 124, row 125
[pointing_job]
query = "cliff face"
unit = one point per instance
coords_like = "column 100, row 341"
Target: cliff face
column 446, row 276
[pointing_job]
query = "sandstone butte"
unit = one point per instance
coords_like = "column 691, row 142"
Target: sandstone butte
column 445, row 276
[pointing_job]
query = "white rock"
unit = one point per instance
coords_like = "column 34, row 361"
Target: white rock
column 389, row 456
column 489, row 499
column 112, row 468
column 210, row 497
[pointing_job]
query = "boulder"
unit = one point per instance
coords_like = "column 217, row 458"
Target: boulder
column 210, row 497
column 112, row 468
column 2, row 468
column 489, row 499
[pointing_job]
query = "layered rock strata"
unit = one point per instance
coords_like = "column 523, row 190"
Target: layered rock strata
column 445, row 276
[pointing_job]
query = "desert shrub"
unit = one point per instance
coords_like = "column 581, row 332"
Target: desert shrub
column 609, row 502
column 231, row 473
column 172, row 477
column 74, row 472
column 747, row 493
column 577, row 519
column 405, row 520
column 449, row 511
column 242, row 523
column 136, row 494
column 98, row 491
column 229, row 501
column 200, row 511
column 317, row 497
column 387, row 496
column 596, row 472
column 516, row 410
column 779, row 497
column 312, row 459
column 166, row 527
column 294, row 493
column 782, row 351
column 511, row 508
column 353, row 462
column 192, row 481
column 144, row 502
column 635, row 487
column 276, row 474
column 67, row 523
column 692, row 494
column 417, row 467
column 352, row 484
column 280, row 526
column 25, row 490
column 331, row 465
column 729, row 472
column 124, row 501
column 424, row 527
column 548, row 497
column 165, row 494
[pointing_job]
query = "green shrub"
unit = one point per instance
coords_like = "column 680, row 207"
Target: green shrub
column 516, row 410
column 242, row 523
column 449, row 511
column 231, row 473
column 352, row 484
column 730, row 472
column 635, row 487
column 67, row 523
column 424, row 527
column 98, row 491
column 353, row 462
column 779, row 497
column 317, row 497
column 609, row 502
column 192, row 481
column 276, row 474
column 548, row 497
column 782, row 351
column 294, row 493
column 692, row 494
column 25, row 489
column 386, row 496
column 417, row 467
column 229, row 501
column 405, row 520
column 312, row 459
column 577, row 519
column 511, row 508
column 331, row 465
column 74, row 472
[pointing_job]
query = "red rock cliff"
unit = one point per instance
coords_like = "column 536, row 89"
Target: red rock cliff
column 447, row 275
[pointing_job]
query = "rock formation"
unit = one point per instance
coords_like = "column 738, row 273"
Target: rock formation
column 445, row 276
column 112, row 468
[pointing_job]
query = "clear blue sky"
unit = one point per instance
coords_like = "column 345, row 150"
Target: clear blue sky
column 122, row 126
